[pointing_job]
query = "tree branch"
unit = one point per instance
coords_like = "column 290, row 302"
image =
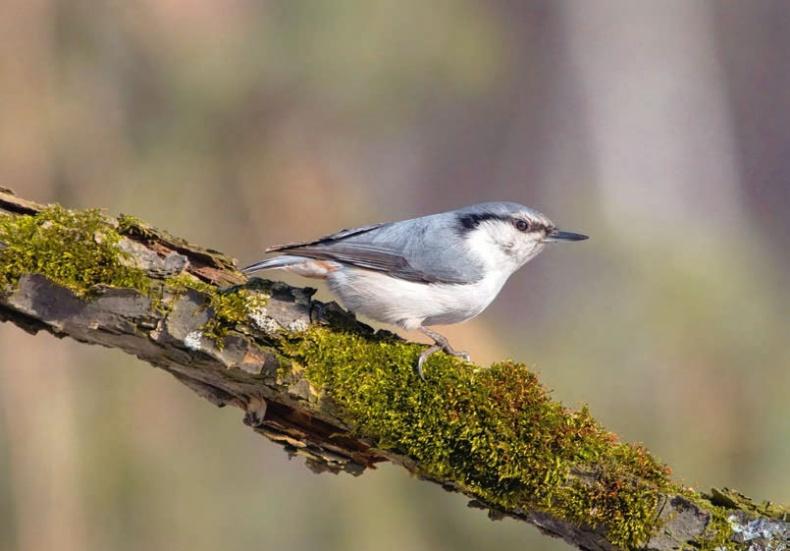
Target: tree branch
column 332, row 390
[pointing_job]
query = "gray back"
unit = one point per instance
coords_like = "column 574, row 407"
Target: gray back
column 429, row 249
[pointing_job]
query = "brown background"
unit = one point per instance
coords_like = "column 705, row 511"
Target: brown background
column 662, row 129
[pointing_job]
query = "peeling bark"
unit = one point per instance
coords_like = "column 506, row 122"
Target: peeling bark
column 252, row 371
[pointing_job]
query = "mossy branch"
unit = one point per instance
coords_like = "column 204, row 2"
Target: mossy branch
column 345, row 397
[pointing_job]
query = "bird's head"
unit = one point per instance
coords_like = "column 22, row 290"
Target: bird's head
column 507, row 235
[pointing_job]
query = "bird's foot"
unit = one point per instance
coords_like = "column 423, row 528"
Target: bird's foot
column 441, row 343
column 446, row 348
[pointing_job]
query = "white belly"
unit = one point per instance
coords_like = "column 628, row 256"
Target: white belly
column 409, row 304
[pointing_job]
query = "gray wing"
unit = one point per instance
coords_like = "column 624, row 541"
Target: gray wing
column 424, row 250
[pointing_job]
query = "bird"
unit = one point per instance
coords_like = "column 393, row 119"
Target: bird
column 439, row 269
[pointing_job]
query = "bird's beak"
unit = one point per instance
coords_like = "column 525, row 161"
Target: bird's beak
column 557, row 235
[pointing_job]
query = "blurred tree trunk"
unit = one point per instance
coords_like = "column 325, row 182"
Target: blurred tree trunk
column 49, row 512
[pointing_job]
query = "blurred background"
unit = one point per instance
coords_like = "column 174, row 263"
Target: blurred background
column 662, row 129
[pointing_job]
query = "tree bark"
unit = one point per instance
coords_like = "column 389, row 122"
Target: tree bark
column 265, row 353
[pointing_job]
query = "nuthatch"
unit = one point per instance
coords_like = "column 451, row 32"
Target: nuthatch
column 439, row 269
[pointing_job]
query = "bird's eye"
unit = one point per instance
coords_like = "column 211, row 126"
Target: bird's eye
column 522, row 225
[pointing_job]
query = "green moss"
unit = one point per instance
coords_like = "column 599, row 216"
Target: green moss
column 722, row 504
column 229, row 307
column 75, row 249
column 495, row 432
column 733, row 499
column 79, row 250
column 131, row 225
column 718, row 534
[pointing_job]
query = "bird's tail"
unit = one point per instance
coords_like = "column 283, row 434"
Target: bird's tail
column 283, row 261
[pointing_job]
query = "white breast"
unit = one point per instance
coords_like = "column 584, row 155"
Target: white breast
column 410, row 304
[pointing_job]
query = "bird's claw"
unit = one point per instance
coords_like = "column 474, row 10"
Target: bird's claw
column 435, row 348
column 423, row 357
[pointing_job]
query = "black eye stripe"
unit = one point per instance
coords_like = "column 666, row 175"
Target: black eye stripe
column 469, row 222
